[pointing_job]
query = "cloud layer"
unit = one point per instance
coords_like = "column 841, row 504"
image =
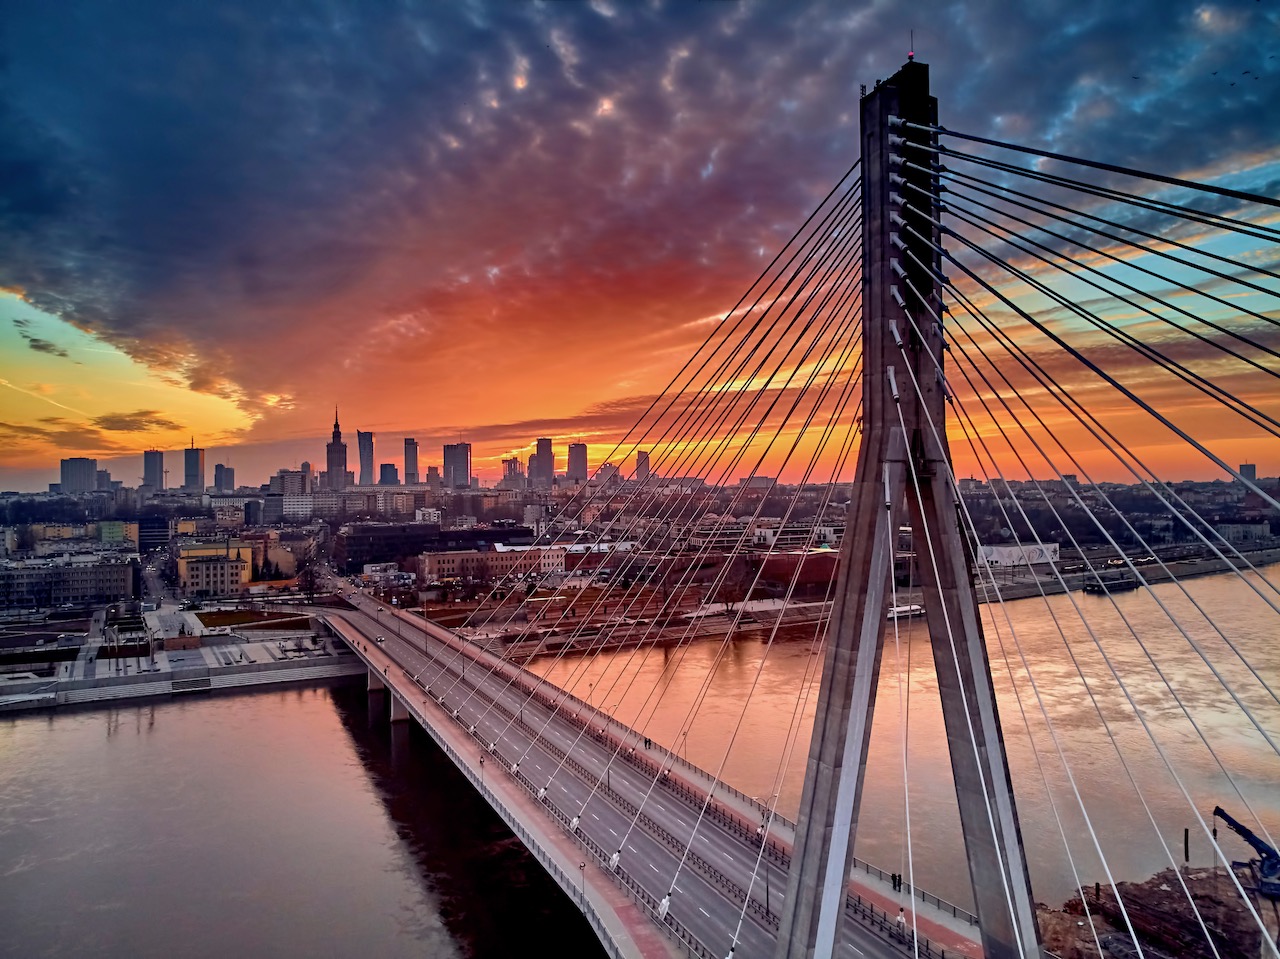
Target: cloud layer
column 458, row 216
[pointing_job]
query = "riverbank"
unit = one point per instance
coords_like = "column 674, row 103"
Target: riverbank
column 1167, row 924
column 713, row 620
column 93, row 678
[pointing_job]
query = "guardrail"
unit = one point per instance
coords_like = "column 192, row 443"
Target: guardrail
column 563, row 879
column 875, row 920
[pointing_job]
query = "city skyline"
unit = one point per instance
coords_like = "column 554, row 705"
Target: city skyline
column 652, row 164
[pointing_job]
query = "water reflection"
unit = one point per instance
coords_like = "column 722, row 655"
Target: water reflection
column 285, row 823
column 736, row 700
column 494, row 898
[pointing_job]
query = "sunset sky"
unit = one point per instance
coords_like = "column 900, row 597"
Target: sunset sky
column 494, row 221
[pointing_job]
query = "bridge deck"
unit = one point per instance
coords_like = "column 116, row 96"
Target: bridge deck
column 620, row 793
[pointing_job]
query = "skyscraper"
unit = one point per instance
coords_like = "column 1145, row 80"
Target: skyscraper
column 410, row 461
column 642, row 465
column 364, row 443
column 1249, row 471
column 456, row 473
column 224, row 478
column 388, row 475
column 512, row 474
column 576, row 472
column 79, row 474
column 193, row 468
column 546, row 465
column 335, row 457
column 153, row 469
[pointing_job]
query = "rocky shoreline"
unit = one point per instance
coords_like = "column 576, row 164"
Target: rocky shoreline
column 1165, row 922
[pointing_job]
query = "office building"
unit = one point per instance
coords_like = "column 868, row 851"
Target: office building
column 288, row 483
column 102, row 480
column 335, row 457
column 224, row 478
column 79, row 474
column 388, row 475
column 456, row 473
column 410, row 461
column 642, row 465
column 546, row 465
column 193, row 469
column 1249, row 471
column 364, row 443
column 576, row 472
column 153, row 469
column 512, row 474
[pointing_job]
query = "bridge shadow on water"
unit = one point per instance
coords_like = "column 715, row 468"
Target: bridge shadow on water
column 494, row 897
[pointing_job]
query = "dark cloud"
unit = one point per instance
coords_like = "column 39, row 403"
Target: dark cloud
column 44, row 346
column 256, row 202
column 138, row 421
column 36, row 343
column 59, row 432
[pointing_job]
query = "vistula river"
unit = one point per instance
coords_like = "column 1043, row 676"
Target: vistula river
column 296, row 823
column 740, row 728
column 288, row 823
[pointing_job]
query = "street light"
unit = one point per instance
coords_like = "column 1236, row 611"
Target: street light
column 582, row 880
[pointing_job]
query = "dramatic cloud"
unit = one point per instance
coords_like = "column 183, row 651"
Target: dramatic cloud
column 138, row 421
column 450, row 215
column 44, row 346
column 35, row 342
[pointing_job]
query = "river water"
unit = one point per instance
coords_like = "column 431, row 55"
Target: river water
column 284, row 823
column 760, row 697
column 297, row 823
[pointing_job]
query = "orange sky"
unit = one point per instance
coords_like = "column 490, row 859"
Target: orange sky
column 522, row 225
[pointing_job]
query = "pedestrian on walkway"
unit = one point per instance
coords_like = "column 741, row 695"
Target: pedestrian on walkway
column 902, row 921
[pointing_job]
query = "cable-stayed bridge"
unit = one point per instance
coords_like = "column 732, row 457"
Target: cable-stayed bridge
column 968, row 341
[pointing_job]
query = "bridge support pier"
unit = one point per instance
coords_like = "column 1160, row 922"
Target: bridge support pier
column 399, row 711
column 375, row 681
column 904, row 470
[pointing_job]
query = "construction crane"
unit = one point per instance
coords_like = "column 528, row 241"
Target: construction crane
column 1266, row 866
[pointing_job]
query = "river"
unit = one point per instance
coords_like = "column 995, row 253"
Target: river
column 295, row 823
column 283, row 823
column 761, row 694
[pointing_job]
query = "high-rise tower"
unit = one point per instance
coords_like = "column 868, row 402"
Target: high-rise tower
column 153, row 469
column 79, row 474
column 546, row 465
column 410, row 461
column 335, row 457
column 364, row 443
column 193, row 468
column 576, row 472
column 457, row 465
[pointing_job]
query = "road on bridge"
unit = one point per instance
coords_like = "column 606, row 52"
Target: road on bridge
column 613, row 800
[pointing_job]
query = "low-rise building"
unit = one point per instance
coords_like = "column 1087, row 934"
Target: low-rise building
column 68, row 580
column 490, row 564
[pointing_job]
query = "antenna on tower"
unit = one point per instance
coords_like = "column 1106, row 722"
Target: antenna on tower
column 911, row 49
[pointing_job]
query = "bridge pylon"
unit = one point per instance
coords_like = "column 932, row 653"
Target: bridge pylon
column 903, row 472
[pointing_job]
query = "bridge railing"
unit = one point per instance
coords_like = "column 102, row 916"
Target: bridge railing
column 562, row 878
column 876, row 919
column 775, row 852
